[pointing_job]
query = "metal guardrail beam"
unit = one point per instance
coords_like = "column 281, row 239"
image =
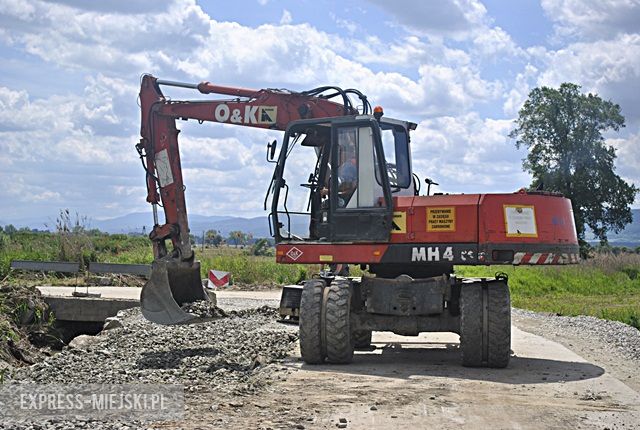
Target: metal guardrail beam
column 45, row 266
column 127, row 269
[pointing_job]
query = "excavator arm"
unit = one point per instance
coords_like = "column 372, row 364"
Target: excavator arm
column 175, row 278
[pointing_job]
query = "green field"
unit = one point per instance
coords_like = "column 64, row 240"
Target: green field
column 606, row 286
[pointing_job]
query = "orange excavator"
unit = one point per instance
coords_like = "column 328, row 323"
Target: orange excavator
column 343, row 193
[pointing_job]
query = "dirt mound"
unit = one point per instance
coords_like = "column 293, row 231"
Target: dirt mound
column 26, row 327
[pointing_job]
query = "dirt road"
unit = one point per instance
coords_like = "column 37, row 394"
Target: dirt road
column 417, row 382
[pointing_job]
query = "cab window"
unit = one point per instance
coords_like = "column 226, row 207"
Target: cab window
column 396, row 151
column 357, row 169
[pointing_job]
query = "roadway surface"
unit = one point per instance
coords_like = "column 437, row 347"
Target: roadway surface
column 417, row 382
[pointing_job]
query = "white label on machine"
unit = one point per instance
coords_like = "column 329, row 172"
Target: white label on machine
column 163, row 167
column 520, row 221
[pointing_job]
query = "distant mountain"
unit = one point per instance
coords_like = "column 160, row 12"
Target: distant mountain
column 134, row 223
column 630, row 236
column 259, row 227
column 129, row 223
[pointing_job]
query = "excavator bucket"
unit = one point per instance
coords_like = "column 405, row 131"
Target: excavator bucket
column 169, row 287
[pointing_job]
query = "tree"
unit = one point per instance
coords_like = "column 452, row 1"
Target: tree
column 238, row 237
column 562, row 129
column 213, row 237
column 261, row 248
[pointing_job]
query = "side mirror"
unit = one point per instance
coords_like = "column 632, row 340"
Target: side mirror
column 271, row 150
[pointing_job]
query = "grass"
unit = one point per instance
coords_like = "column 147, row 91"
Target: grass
column 251, row 269
column 115, row 248
column 606, row 286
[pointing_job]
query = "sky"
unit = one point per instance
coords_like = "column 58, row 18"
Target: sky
column 460, row 69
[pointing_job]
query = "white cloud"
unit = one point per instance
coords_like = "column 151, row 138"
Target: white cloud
column 286, row 17
column 493, row 42
column 593, row 18
column 106, row 41
column 468, row 154
column 610, row 68
column 628, row 161
column 80, row 144
column 454, row 18
column 452, row 91
column 524, row 83
column 347, row 24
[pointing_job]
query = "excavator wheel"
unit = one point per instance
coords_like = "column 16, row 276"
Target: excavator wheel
column 169, row 287
column 312, row 346
column 485, row 324
column 362, row 339
column 337, row 309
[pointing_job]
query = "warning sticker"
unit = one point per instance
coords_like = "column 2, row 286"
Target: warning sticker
column 520, row 221
column 399, row 224
column 441, row 219
column 163, row 167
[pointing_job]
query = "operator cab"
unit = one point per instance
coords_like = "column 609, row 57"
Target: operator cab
column 335, row 178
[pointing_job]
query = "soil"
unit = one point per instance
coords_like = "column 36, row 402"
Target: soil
column 561, row 375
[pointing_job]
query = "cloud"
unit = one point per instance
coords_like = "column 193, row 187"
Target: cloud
column 451, row 18
column 346, row 24
column 610, row 68
column 118, row 6
column 593, row 19
column 286, row 17
column 104, row 40
column 468, row 154
column 628, row 161
column 524, row 83
column 298, row 56
column 493, row 42
column 74, row 146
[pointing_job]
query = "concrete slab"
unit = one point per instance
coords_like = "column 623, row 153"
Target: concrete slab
column 87, row 309
column 112, row 299
column 134, row 292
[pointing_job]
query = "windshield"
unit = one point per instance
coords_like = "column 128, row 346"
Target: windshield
column 304, row 148
column 396, row 153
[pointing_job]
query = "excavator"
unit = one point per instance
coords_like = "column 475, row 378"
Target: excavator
column 343, row 193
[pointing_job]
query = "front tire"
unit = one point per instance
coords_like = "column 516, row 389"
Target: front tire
column 338, row 336
column 310, row 324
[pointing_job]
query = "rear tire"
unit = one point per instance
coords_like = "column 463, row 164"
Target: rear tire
column 338, row 336
column 311, row 348
column 494, row 348
column 471, row 324
column 362, row 339
column 499, row 325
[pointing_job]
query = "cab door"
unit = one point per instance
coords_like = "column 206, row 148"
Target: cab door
column 360, row 196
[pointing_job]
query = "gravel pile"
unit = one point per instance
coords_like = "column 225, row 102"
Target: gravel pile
column 204, row 309
column 618, row 337
column 225, row 355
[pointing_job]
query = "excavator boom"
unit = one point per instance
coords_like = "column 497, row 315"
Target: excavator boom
column 175, row 278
